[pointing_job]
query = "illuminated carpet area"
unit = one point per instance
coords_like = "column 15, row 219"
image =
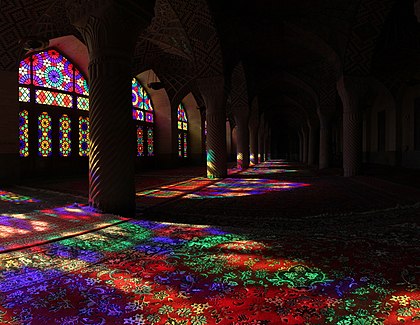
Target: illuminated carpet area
column 26, row 220
column 155, row 273
column 336, row 268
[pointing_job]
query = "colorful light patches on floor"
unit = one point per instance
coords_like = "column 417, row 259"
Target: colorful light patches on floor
column 235, row 187
column 16, row 198
column 176, row 190
column 25, row 229
column 267, row 171
column 143, row 273
column 202, row 188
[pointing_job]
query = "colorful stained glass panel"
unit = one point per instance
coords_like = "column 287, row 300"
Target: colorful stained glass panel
column 65, row 136
column 180, row 145
column 149, row 117
column 45, row 97
column 24, row 134
column 83, row 136
column 150, row 145
column 80, row 84
column 185, row 146
column 44, row 135
column 24, row 95
column 140, row 141
column 52, row 70
column 138, row 115
column 83, row 103
column 25, row 71
column 182, row 116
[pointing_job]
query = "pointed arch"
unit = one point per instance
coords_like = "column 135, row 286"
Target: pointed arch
column 53, row 94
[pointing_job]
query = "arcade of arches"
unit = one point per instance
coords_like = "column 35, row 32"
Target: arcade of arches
column 282, row 137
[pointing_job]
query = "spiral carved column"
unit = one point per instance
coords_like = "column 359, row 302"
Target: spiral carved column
column 242, row 118
column 112, row 146
column 261, row 140
column 324, row 140
column 212, row 90
column 305, row 143
column 253, row 132
column 351, row 91
column 253, row 144
column 311, row 145
column 109, row 36
column 267, row 143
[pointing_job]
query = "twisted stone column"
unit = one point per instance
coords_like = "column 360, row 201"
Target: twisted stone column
column 212, row 90
column 253, row 133
column 351, row 91
column 109, row 36
column 267, row 143
column 311, row 144
column 305, row 135
column 324, row 139
column 261, row 138
column 300, row 146
column 241, row 115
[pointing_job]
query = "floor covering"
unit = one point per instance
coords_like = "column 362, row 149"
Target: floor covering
column 250, row 250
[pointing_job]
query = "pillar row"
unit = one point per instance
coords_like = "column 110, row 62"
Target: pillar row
column 324, row 139
column 212, row 90
column 241, row 115
column 351, row 91
column 253, row 144
column 311, row 144
column 261, row 140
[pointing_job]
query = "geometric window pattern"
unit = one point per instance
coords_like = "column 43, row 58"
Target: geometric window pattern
column 52, row 98
column 83, row 136
column 44, row 135
column 143, row 115
column 23, row 134
column 65, row 136
column 182, row 131
column 49, row 79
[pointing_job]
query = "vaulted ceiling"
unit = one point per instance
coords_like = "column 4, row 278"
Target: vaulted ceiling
column 292, row 51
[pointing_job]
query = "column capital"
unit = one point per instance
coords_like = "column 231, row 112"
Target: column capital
column 109, row 28
column 352, row 91
column 211, row 85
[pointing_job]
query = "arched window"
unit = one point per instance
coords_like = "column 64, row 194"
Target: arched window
column 182, row 132
column 143, row 115
column 53, row 96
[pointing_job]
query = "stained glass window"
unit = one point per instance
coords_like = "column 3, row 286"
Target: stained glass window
column 52, row 70
column 65, row 136
column 185, row 146
column 49, row 79
column 150, row 145
column 23, row 134
column 140, row 141
column 182, row 131
column 44, row 135
column 24, row 95
column 180, row 145
column 83, row 103
column 46, row 97
column 143, row 115
column 182, row 118
column 83, row 136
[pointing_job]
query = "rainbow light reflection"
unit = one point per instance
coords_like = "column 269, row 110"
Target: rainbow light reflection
column 16, row 198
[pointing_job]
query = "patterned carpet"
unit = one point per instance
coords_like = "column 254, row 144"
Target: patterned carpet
column 142, row 272
column 350, row 268
column 31, row 217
